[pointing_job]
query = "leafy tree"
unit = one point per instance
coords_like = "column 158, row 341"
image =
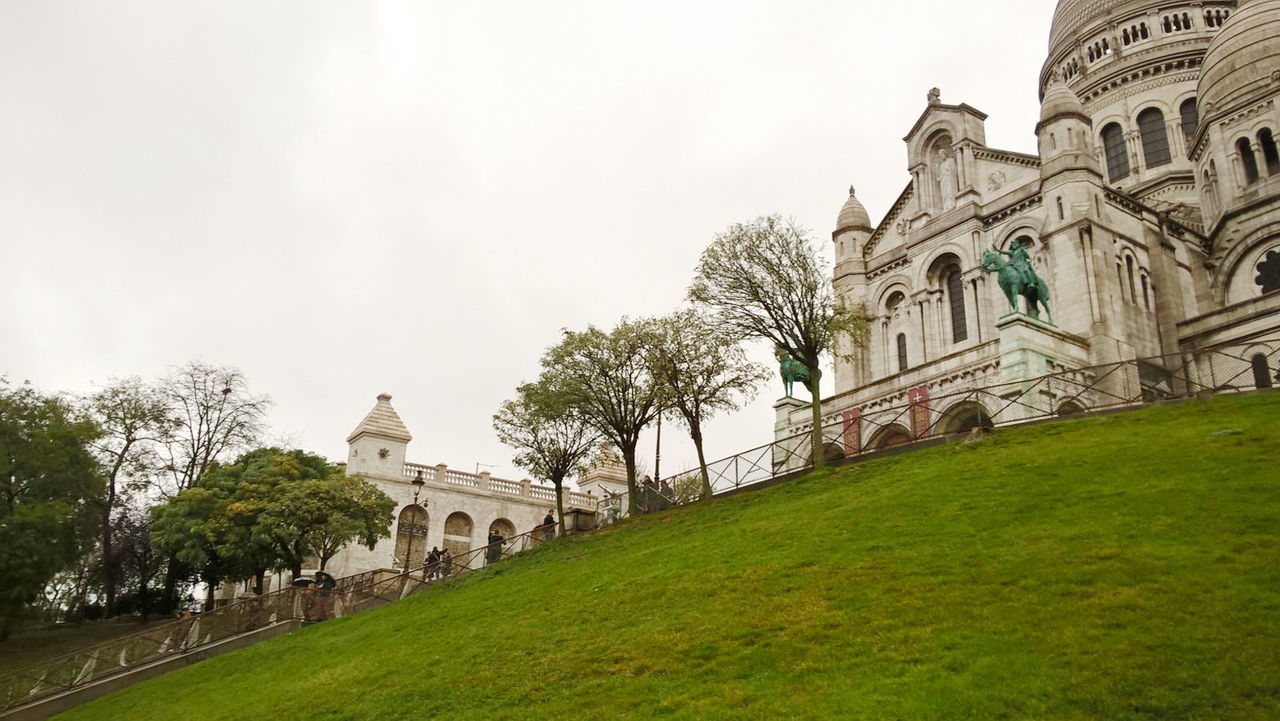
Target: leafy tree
column 552, row 440
column 135, row 418
column 140, row 564
column 705, row 371
column 214, row 418
column 606, row 377
column 319, row 517
column 764, row 279
column 49, row 483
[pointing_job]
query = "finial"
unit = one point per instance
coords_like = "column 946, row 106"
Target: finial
column 935, row 96
column 384, row 396
column 850, row 191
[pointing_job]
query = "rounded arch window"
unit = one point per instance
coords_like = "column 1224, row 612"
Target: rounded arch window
column 1117, row 156
column 1155, row 138
column 411, row 535
column 1268, row 269
column 1190, row 117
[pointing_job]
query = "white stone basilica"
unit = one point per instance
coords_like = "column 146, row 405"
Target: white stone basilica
column 1152, row 212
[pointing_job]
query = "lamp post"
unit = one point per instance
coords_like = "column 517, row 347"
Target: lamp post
column 417, row 483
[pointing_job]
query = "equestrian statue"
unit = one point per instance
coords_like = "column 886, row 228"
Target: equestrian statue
column 793, row 370
column 1018, row 278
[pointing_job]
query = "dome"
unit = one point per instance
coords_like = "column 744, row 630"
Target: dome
column 1243, row 59
column 853, row 214
column 1072, row 16
column 1061, row 100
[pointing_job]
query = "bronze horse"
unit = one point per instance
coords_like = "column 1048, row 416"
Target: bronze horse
column 1019, row 279
column 793, row 370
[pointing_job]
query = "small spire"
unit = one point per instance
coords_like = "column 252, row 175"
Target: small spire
column 851, row 193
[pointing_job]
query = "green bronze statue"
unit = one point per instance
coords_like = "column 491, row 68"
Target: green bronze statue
column 1018, row 278
column 793, row 370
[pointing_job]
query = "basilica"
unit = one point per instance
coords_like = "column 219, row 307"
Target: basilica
column 1151, row 213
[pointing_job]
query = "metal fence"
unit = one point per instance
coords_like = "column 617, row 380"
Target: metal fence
column 352, row 594
column 870, row 430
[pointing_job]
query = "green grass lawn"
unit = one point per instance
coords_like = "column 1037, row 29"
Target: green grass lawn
column 1120, row 567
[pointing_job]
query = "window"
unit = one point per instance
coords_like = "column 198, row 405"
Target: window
column 1155, row 139
column 902, row 352
column 1248, row 161
column 1261, row 371
column 1120, row 279
column 1190, row 118
column 1146, row 293
column 1269, row 272
column 1133, row 289
column 1267, row 141
column 1117, row 157
column 955, row 295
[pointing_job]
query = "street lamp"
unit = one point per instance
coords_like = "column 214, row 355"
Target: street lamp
column 418, row 483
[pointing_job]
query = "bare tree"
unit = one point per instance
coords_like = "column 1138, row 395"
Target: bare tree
column 764, row 279
column 705, row 371
column 134, row 418
column 552, row 440
column 606, row 378
column 215, row 417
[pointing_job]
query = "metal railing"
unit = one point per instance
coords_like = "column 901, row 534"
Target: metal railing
column 868, row 430
column 355, row 593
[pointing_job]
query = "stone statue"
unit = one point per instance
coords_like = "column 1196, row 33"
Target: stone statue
column 1018, row 278
column 947, row 184
column 935, row 96
column 793, row 370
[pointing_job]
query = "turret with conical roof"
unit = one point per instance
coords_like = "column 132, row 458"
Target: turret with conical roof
column 378, row 445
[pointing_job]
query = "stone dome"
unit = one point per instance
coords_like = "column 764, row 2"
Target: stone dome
column 1073, row 16
column 1061, row 100
column 853, row 214
column 1243, row 59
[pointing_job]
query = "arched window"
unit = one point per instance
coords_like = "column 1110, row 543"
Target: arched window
column 411, row 536
column 902, row 353
column 1143, row 30
column 1268, row 278
column 1117, row 156
column 955, row 296
column 503, row 528
column 1248, row 161
column 1133, row 289
column 1190, row 118
column 1146, row 293
column 1267, row 141
column 1261, row 371
column 1155, row 138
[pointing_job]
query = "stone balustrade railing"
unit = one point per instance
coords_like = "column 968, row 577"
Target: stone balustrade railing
column 446, row 476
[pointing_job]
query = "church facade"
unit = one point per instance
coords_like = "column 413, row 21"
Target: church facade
column 1151, row 212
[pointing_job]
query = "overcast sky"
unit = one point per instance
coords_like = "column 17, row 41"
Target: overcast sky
column 348, row 198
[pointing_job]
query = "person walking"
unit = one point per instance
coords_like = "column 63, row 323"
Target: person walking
column 325, row 584
column 433, row 564
column 446, row 563
column 549, row 525
column 493, row 553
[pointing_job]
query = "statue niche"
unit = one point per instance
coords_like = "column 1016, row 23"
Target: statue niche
column 942, row 166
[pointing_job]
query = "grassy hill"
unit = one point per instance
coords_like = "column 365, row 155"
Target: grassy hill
column 1120, row 567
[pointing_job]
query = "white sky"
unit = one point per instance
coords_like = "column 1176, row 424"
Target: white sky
column 347, row 198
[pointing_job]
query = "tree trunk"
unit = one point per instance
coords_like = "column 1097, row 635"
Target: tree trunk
column 559, row 484
column 110, row 569
column 816, row 407
column 259, row 582
column 169, row 599
column 695, row 432
column 629, row 459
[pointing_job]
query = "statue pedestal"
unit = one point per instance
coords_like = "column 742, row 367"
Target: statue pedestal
column 791, row 455
column 784, row 408
column 1030, row 348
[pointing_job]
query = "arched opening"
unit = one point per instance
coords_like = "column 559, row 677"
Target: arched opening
column 955, row 297
column 1248, row 161
column 1269, row 272
column 1270, row 154
column 964, row 417
column 832, row 452
column 1070, row 408
column 1117, row 157
column 1146, row 293
column 894, row 327
column 1133, row 289
column 411, row 536
column 1190, row 118
column 457, row 533
column 902, row 353
column 503, row 528
column 1155, row 138
column 890, row 437
column 1261, row 371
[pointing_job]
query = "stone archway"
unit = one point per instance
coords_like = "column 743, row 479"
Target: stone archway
column 964, row 417
column 457, row 533
column 1070, row 408
column 889, row 437
column 411, row 536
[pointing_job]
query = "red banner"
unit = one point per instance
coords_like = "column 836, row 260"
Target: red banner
column 919, row 399
column 852, row 432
